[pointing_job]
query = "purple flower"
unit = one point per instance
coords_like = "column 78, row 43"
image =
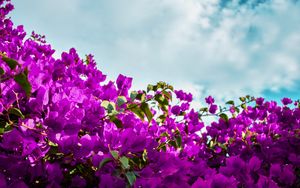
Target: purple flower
column 259, row 101
column 78, row 181
column 123, row 84
column 185, row 106
column 2, row 180
column 286, row 101
column 272, row 118
column 275, row 170
column 213, row 108
column 209, row 100
column 254, row 163
column 266, row 182
column 287, row 176
column 189, row 97
column 232, row 109
column 54, row 172
column 220, row 181
column 1, row 107
column 110, row 92
column 176, row 110
column 180, row 94
column 183, row 96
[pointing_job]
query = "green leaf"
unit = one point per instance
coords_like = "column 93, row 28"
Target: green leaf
column 121, row 100
column 178, row 141
column 138, row 111
column 212, row 144
column 145, row 108
column 104, row 162
column 10, row 62
column 133, row 95
column 162, row 146
column 73, row 171
column 204, row 109
column 22, row 80
column 1, row 130
column 130, row 177
column 125, row 162
column 167, row 95
column 105, row 104
column 243, row 106
column 224, row 116
column 231, row 102
column 144, row 155
column 115, row 154
column 223, row 146
column 164, row 134
column 161, row 118
column 161, row 99
column 173, row 143
column 243, row 99
column 16, row 112
column 170, row 87
column 1, row 71
column 149, row 88
column 109, row 106
column 116, row 121
column 141, row 97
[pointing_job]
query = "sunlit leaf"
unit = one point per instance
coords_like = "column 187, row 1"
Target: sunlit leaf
column 145, row 108
column 137, row 110
column 125, row 162
column 121, row 100
column 133, row 95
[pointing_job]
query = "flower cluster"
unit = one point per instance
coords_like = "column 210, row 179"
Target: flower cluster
column 61, row 125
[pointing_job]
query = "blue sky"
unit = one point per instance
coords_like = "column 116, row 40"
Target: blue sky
column 218, row 47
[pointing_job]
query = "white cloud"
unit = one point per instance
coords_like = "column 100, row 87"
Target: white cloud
column 226, row 51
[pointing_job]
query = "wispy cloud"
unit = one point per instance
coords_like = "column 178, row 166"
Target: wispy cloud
column 224, row 48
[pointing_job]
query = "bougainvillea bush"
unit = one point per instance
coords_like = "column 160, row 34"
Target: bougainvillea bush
column 63, row 125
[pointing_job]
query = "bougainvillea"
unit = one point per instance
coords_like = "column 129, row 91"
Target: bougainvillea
column 62, row 126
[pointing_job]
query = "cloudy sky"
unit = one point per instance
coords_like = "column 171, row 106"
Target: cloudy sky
column 226, row 48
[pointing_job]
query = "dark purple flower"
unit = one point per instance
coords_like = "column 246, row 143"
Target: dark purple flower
column 1, row 107
column 266, row 182
column 78, row 181
column 286, row 101
column 221, row 181
column 254, row 163
column 3, row 180
column 287, row 176
column 176, row 110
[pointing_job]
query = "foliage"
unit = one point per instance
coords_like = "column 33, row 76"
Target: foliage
column 61, row 126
